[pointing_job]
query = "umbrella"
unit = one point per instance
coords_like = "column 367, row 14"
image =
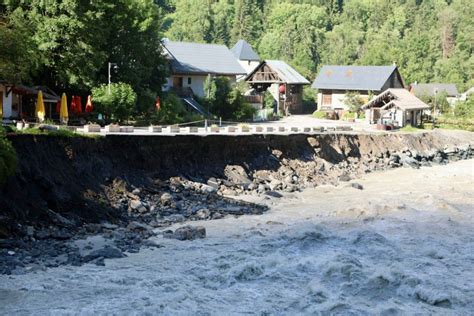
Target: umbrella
column 158, row 103
column 40, row 111
column 78, row 104
column 89, row 106
column 73, row 104
column 63, row 115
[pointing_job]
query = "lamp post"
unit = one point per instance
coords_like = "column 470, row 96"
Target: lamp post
column 110, row 65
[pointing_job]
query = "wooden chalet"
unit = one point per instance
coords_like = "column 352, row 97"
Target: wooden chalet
column 284, row 83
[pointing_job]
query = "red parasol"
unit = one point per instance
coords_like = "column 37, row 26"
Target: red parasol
column 58, row 107
column 73, row 104
column 89, row 106
column 78, row 104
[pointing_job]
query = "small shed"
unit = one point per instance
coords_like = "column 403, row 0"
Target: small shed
column 395, row 106
column 284, row 83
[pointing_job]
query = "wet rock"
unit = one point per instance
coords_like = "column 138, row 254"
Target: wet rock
column 137, row 205
column 212, row 182
column 236, row 175
column 357, row 186
column 187, row 233
column 137, row 226
column 106, row 253
column 175, row 218
column 166, row 199
column 274, row 194
column 203, row 214
column 345, row 177
column 208, row 189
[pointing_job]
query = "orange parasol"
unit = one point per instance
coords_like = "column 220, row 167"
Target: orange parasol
column 89, row 107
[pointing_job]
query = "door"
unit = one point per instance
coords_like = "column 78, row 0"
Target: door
column 326, row 100
column 178, row 82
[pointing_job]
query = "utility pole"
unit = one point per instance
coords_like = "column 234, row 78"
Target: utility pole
column 110, row 65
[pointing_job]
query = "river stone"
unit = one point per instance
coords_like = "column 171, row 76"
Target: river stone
column 236, row 175
column 187, row 233
column 166, row 199
column 106, row 253
column 208, row 189
column 357, row 186
column 138, row 206
column 203, row 213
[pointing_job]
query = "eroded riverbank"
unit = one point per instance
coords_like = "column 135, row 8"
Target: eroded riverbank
column 402, row 245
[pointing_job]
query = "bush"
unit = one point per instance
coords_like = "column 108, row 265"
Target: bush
column 348, row 115
column 320, row 114
column 119, row 103
column 354, row 101
column 8, row 159
column 464, row 109
column 269, row 101
column 225, row 102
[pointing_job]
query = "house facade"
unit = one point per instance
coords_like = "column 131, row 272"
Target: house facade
column 247, row 57
column 190, row 65
column 334, row 82
column 283, row 82
column 396, row 107
column 421, row 90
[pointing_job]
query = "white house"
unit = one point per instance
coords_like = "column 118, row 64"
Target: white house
column 334, row 82
column 396, row 107
column 247, row 57
column 17, row 101
column 432, row 89
column 9, row 101
column 192, row 63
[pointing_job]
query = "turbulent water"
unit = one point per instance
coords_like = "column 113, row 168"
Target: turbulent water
column 403, row 245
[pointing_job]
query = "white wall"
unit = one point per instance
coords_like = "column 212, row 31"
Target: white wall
column 197, row 83
column 7, row 102
column 337, row 100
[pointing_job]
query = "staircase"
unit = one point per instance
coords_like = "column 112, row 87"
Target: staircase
column 189, row 102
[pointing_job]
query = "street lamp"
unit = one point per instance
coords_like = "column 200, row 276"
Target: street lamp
column 110, row 66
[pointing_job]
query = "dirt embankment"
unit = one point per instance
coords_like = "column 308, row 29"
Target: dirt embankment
column 70, row 179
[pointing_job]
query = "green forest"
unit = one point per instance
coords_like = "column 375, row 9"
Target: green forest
column 67, row 44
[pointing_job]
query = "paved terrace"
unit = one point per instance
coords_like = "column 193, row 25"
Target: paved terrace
column 290, row 125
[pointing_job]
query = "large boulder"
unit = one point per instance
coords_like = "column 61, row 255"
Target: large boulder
column 187, row 233
column 236, row 175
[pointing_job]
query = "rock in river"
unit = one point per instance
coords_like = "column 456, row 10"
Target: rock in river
column 187, row 233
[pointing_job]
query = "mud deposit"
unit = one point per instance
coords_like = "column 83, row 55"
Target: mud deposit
column 403, row 245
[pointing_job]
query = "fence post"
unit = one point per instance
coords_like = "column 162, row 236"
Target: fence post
column 220, row 121
column 205, row 125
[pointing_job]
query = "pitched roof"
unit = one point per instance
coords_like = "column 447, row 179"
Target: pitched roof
column 286, row 73
column 196, row 58
column 431, row 89
column 400, row 98
column 244, row 51
column 353, row 77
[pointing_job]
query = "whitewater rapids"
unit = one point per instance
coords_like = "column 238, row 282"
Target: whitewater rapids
column 403, row 245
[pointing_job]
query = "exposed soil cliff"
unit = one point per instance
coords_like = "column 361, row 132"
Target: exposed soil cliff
column 70, row 179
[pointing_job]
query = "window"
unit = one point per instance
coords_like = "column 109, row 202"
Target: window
column 189, row 80
column 327, row 99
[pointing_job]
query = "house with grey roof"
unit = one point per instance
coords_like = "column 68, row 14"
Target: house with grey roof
column 284, row 83
column 432, row 89
column 395, row 107
column 246, row 56
column 334, row 82
column 190, row 64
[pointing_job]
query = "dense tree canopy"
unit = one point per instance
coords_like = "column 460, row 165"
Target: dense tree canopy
column 429, row 40
column 67, row 44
